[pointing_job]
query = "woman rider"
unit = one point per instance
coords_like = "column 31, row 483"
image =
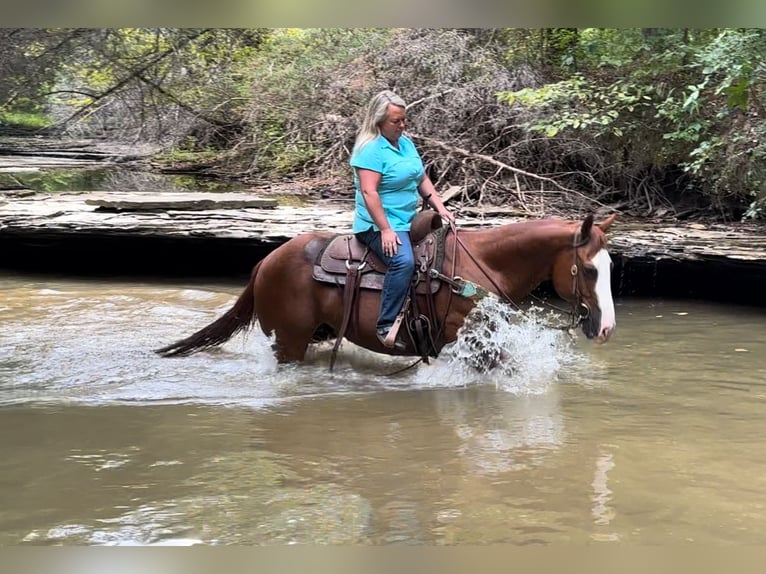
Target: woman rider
column 389, row 177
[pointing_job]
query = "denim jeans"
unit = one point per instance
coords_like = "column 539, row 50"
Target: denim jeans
column 396, row 284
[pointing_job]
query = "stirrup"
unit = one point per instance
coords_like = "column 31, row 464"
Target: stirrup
column 389, row 339
column 391, row 342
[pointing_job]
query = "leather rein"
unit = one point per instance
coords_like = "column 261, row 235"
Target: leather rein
column 578, row 312
column 456, row 282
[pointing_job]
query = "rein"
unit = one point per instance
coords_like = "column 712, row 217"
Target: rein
column 457, row 285
column 575, row 318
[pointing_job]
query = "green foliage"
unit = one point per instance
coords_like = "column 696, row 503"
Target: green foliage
column 730, row 159
column 607, row 48
column 152, row 83
column 698, row 90
column 626, row 106
column 296, row 86
column 23, row 120
column 578, row 104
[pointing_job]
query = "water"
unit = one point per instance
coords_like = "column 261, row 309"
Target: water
column 60, row 180
column 652, row 438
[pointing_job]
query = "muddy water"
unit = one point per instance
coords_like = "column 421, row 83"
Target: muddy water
column 656, row 437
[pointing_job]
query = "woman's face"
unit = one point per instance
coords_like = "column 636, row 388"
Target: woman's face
column 393, row 126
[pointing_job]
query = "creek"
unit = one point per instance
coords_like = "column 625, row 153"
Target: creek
column 652, row 438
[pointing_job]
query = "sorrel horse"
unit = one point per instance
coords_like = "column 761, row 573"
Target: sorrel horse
column 509, row 260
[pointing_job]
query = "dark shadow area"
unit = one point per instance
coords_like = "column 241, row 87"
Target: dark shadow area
column 128, row 255
column 713, row 278
column 717, row 279
column 103, row 255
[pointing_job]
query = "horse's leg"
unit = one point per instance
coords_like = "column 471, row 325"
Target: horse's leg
column 285, row 296
column 291, row 321
column 289, row 347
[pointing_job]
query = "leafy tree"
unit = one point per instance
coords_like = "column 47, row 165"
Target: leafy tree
column 654, row 120
column 167, row 85
column 727, row 105
column 677, row 108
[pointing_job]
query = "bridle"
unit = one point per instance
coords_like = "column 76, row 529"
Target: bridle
column 580, row 310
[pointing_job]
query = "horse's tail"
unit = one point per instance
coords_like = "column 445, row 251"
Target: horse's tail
column 239, row 318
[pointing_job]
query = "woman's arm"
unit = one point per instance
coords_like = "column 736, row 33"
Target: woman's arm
column 429, row 195
column 368, row 185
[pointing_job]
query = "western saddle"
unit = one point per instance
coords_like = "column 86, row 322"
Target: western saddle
column 343, row 260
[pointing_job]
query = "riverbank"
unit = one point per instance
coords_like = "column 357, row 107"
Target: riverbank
column 226, row 234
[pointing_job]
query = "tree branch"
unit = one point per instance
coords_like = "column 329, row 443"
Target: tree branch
column 181, row 104
column 136, row 73
column 502, row 166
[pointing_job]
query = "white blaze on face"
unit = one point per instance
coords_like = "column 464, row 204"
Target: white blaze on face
column 603, row 264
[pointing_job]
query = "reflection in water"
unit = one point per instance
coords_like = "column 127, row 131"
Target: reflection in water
column 503, row 433
column 601, row 511
column 652, row 438
column 113, row 179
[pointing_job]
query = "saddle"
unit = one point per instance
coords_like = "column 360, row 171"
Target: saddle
column 344, row 260
column 345, row 252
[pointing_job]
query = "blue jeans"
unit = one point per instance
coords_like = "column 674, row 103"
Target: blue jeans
column 401, row 268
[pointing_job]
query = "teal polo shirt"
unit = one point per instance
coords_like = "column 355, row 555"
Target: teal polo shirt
column 401, row 171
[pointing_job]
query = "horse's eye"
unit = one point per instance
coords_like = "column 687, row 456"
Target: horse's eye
column 590, row 271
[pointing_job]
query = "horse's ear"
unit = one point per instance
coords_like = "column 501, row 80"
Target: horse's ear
column 586, row 227
column 604, row 225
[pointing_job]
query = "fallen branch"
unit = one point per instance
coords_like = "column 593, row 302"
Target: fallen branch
column 431, row 97
column 451, row 192
column 503, row 166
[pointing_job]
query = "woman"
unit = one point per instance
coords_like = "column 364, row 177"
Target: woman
column 389, row 177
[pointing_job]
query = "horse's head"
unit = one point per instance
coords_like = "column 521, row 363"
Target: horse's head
column 582, row 276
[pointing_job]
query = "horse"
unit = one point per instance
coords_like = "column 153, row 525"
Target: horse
column 509, row 261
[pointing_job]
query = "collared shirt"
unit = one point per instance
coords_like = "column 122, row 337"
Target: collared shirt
column 401, row 171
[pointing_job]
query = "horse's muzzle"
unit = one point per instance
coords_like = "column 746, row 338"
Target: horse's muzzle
column 605, row 333
column 592, row 327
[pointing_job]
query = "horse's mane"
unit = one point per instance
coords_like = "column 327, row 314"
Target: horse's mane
column 525, row 228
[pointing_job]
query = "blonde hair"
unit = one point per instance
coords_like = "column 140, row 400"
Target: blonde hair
column 376, row 113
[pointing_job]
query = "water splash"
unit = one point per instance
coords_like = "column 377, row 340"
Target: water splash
column 516, row 351
column 92, row 343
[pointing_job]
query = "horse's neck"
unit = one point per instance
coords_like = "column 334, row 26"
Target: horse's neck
column 518, row 256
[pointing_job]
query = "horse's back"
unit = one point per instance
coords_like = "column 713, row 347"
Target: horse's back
column 299, row 251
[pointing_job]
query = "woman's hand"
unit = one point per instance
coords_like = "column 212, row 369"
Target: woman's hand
column 444, row 213
column 428, row 193
column 390, row 242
